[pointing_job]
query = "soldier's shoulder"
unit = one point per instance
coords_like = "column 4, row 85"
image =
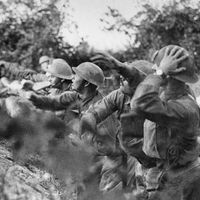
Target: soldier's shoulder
column 189, row 103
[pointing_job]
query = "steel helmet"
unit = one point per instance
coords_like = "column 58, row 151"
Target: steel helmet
column 189, row 75
column 44, row 59
column 90, row 72
column 142, row 66
column 134, row 73
column 61, row 69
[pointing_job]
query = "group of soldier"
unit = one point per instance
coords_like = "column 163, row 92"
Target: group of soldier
column 144, row 133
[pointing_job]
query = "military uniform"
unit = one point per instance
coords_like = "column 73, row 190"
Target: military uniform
column 170, row 136
column 116, row 102
column 53, row 92
column 116, row 164
column 70, row 101
column 64, row 100
column 73, row 104
column 75, row 107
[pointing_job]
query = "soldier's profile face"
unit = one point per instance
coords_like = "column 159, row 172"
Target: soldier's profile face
column 77, row 83
column 44, row 66
column 51, row 78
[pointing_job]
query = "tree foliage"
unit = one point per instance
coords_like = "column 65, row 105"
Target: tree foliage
column 30, row 29
column 175, row 23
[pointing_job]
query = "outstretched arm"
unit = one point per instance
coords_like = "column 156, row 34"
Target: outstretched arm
column 60, row 102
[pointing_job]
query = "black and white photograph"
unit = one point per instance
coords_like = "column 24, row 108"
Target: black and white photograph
column 99, row 100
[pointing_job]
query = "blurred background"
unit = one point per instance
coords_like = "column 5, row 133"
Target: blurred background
column 74, row 29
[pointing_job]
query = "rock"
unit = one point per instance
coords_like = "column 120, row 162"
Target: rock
column 19, row 182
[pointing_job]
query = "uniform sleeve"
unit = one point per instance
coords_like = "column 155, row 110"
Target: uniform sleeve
column 146, row 101
column 59, row 102
column 105, row 107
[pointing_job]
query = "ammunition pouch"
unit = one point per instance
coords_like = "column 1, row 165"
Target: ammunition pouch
column 131, row 139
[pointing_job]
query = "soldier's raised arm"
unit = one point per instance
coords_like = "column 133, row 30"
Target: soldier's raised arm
column 124, row 69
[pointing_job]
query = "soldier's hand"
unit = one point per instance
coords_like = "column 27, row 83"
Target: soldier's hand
column 107, row 60
column 171, row 59
column 27, row 85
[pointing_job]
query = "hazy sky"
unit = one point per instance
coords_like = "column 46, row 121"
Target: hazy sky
column 87, row 14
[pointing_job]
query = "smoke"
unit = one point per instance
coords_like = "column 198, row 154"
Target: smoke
column 41, row 134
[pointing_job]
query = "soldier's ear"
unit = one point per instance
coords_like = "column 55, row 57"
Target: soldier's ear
column 87, row 84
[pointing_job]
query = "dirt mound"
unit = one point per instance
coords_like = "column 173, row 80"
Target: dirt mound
column 24, row 183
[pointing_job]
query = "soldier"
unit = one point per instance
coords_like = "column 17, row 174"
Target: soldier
column 12, row 72
column 84, row 94
column 88, row 77
column 171, row 126
column 44, row 62
column 60, row 76
column 118, row 100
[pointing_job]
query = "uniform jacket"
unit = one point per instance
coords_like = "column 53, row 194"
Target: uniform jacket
column 75, row 107
column 172, row 121
column 107, row 111
column 115, row 101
